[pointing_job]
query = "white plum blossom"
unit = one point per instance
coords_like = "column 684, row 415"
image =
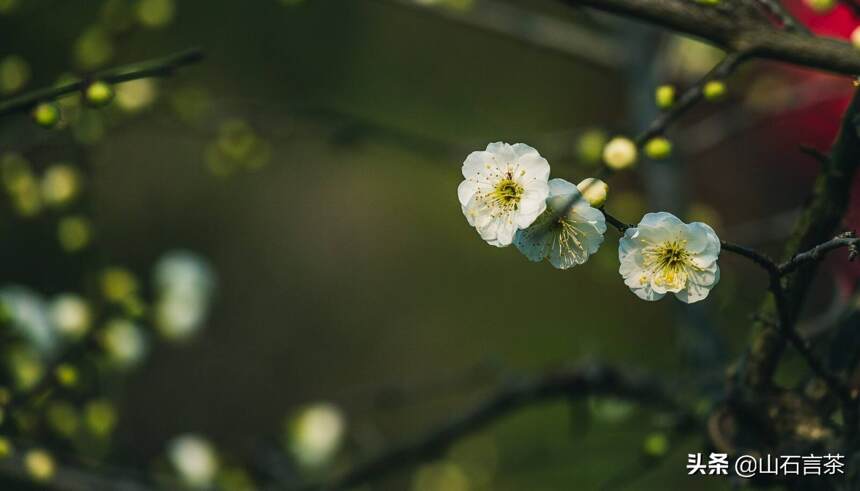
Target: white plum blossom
column 665, row 255
column 567, row 233
column 504, row 190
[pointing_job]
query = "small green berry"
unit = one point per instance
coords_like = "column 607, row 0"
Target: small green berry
column 714, row 90
column 658, row 148
column 99, row 94
column 46, row 114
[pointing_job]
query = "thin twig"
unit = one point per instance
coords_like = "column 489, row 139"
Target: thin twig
column 818, row 252
column 618, row 224
column 758, row 258
column 160, row 67
column 690, row 97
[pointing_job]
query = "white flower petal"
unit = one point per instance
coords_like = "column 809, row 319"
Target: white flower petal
column 696, row 292
column 477, row 165
column 662, row 220
column 466, row 190
column 533, row 242
column 523, row 150
column 560, row 187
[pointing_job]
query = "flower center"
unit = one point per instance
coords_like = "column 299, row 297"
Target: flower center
column 507, row 193
column 670, row 263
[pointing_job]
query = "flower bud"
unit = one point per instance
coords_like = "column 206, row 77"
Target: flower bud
column 658, row 148
column 99, row 94
column 594, row 191
column 820, row 6
column 74, row 233
column 665, row 96
column 66, row 374
column 714, row 90
column 655, row 445
column 619, row 153
column 46, row 114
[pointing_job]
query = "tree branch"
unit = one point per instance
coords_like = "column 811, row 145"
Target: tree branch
column 590, row 379
column 160, row 67
column 736, row 34
column 817, row 253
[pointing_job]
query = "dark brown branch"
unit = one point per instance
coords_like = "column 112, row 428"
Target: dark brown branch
column 160, row 67
column 618, row 224
column 758, row 258
column 818, row 252
column 590, row 379
column 736, row 34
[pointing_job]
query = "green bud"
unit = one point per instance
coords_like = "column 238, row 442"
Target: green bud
column 590, row 145
column 665, row 96
column 655, row 445
column 67, row 375
column 99, row 94
column 658, row 148
column 714, row 90
column 5, row 447
column 708, row 2
column 46, row 114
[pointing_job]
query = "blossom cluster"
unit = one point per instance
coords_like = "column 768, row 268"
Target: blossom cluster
column 508, row 197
